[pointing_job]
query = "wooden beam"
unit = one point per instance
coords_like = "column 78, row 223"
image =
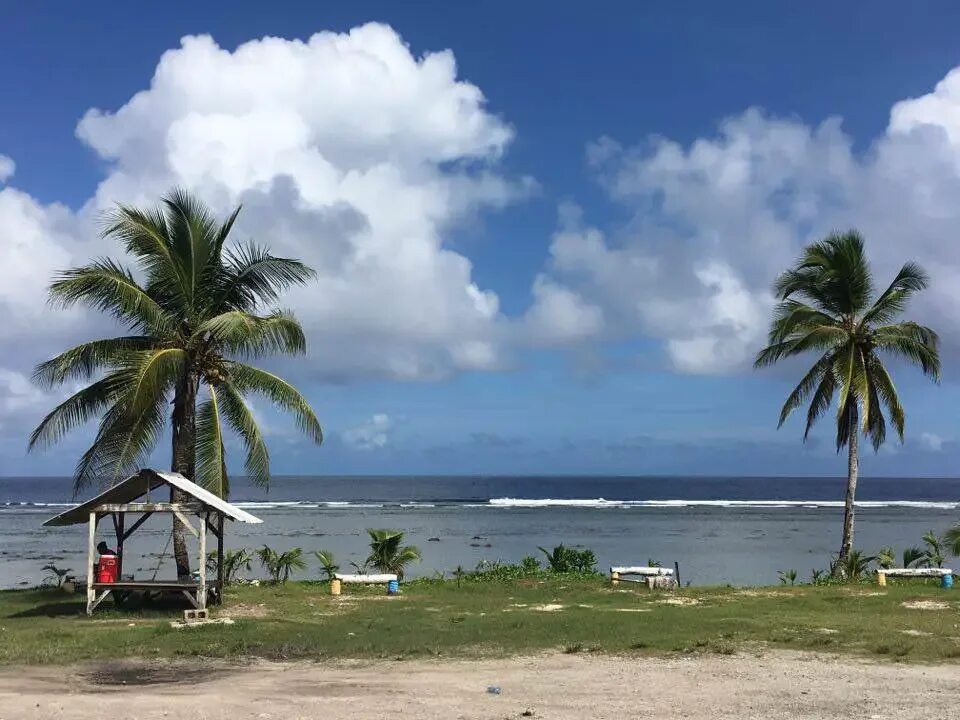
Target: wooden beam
column 97, row 600
column 220, row 578
column 91, row 539
column 133, row 528
column 186, row 523
column 118, row 521
column 202, row 590
column 211, row 526
column 149, row 507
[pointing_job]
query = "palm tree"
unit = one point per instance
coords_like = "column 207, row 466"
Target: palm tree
column 328, row 563
column 387, row 554
column 827, row 306
column 200, row 306
column 280, row 564
column 952, row 539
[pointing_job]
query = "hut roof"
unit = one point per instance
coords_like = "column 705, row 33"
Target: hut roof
column 145, row 481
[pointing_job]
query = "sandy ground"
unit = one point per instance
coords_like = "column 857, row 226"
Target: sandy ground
column 776, row 685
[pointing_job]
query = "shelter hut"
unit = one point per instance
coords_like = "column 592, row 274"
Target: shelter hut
column 132, row 496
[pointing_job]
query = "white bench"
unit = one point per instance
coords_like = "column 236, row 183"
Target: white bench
column 653, row 576
column 388, row 579
column 368, row 579
column 941, row 573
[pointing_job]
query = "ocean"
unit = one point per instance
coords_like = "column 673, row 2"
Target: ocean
column 736, row 530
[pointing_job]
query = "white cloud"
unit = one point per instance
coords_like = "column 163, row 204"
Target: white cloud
column 346, row 151
column 713, row 222
column 559, row 315
column 931, row 441
column 370, row 435
column 7, row 168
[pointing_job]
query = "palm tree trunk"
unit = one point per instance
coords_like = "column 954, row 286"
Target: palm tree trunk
column 853, row 469
column 184, row 460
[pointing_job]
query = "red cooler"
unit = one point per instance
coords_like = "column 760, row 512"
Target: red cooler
column 107, row 569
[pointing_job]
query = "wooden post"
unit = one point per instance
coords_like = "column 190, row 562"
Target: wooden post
column 118, row 527
column 91, row 538
column 202, row 590
column 220, row 578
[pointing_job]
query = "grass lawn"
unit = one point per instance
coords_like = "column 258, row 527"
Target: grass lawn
column 916, row 622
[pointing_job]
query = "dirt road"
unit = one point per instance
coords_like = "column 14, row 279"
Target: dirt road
column 776, row 685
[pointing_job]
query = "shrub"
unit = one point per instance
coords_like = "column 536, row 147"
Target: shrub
column 233, row 562
column 279, row 565
column 787, row 577
column 566, row 560
column 328, row 564
column 57, row 576
column 853, row 568
column 388, row 555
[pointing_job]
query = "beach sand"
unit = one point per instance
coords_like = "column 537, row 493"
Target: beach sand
column 773, row 685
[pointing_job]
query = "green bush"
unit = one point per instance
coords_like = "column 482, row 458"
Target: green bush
column 566, row 560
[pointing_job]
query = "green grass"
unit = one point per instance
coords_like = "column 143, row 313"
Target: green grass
column 483, row 619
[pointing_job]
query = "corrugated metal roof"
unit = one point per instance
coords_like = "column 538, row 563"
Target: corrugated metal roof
column 144, row 482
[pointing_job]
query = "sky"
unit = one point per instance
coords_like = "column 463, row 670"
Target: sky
column 545, row 234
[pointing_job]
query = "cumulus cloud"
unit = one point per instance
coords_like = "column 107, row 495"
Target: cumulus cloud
column 931, row 441
column 347, row 151
column 370, row 435
column 7, row 168
column 713, row 222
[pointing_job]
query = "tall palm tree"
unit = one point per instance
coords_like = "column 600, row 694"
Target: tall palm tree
column 202, row 307
column 827, row 307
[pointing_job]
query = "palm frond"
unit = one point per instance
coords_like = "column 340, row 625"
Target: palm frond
column 874, row 423
column 820, row 401
column 814, row 377
column 76, row 410
column 248, row 379
column 107, row 286
column 252, row 276
column 914, row 342
column 211, row 470
column 820, row 337
column 241, row 420
column 145, row 236
column 193, row 234
column 149, row 375
column 832, row 273
column 242, row 333
column 887, row 393
column 952, row 540
column 794, row 317
column 84, row 360
column 893, row 301
column 851, row 373
column 123, row 444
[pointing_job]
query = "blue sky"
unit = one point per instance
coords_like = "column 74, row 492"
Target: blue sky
column 571, row 245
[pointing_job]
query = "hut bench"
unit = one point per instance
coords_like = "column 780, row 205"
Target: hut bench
column 122, row 499
column 941, row 573
column 652, row 576
column 388, row 579
column 368, row 579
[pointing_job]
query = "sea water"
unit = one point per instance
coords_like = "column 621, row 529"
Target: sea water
column 720, row 530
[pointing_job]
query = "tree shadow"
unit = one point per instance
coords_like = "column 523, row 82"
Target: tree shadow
column 65, row 608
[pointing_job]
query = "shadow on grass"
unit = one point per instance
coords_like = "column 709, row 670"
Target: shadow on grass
column 64, row 608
